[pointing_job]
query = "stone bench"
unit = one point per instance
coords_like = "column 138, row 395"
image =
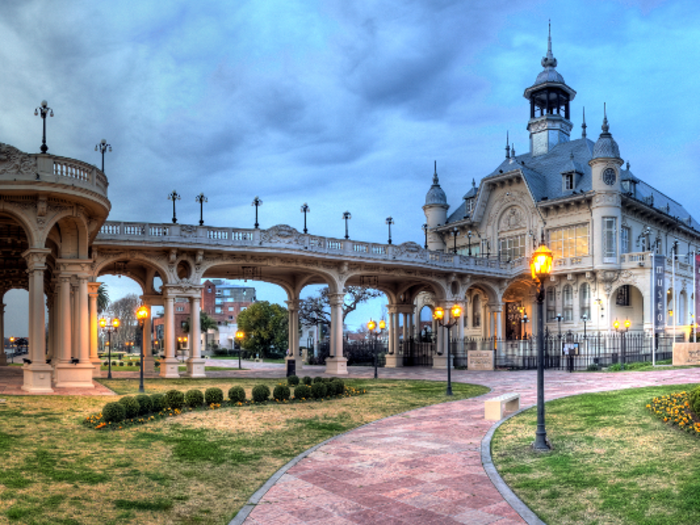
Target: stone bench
column 494, row 407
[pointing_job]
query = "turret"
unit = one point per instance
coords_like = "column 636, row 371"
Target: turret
column 435, row 210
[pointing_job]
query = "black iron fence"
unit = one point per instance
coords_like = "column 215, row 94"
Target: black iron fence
column 358, row 353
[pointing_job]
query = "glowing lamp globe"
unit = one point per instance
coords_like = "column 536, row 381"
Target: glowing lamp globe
column 103, row 322
column 371, row 325
column 456, row 311
column 541, row 263
column 116, row 322
column 382, row 324
column 439, row 313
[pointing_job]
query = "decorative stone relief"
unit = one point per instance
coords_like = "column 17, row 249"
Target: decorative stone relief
column 13, row 160
column 282, row 234
column 511, row 219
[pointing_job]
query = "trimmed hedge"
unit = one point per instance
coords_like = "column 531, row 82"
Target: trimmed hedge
column 318, row 390
column 261, row 393
column 307, row 380
column 336, row 387
column 194, row 398
column 113, row 412
column 302, row 392
column 236, row 394
column 281, row 393
column 318, row 379
column 174, row 399
column 214, row 396
column 145, row 404
column 131, row 406
column 292, row 380
column 157, row 402
column 695, row 400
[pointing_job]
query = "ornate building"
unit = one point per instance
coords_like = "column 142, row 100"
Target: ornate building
column 608, row 229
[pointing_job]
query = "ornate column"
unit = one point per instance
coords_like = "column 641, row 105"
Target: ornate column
column 195, row 364
column 37, row 374
column 3, row 356
column 337, row 364
column 169, row 364
column 94, row 344
column 51, row 329
column 148, row 359
column 393, row 359
column 293, row 309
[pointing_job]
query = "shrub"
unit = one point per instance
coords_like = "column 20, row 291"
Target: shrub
column 292, row 380
column 145, row 404
column 261, row 393
column 214, row 396
column 121, row 363
column 157, row 402
column 615, row 368
column 113, row 412
column 194, row 398
column 695, row 400
column 131, row 406
column 106, row 363
column 327, row 379
column 174, row 399
column 302, row 392
column 318, row 390
column 114, row 363
column 130, row 363
column 318, row 379
column 236, row 394
column 307, row 381
column 336, row 387
column 593, row 368
column 281, row 392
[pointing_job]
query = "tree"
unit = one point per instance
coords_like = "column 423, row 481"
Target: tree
column 266, row 328
column 125, row 310
column 315, row 310
column 102, row 298
column 206, row 323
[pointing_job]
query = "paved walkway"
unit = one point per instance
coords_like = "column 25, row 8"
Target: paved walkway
column 422, row 467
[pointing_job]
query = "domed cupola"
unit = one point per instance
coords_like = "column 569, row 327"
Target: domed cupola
column 550, row 99
column 606, row 147
column 435, row 195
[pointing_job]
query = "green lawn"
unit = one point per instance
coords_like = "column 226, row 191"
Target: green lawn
column 612, row 463
column 200, row 467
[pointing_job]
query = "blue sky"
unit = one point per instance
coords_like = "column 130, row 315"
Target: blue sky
column 340, row 104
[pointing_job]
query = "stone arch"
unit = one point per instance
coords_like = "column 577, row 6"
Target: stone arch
column 24, row 222
column 72, row 234
column 144, row 269
column 634, row 312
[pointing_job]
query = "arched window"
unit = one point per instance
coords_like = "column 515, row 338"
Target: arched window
column 584, row 294
column 568, row 303
column 476, row 312
column 551, row 303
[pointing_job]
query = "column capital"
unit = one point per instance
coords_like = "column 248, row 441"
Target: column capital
column 36, row 258
column 93, row 288
column 336, row 299
column 293, row 304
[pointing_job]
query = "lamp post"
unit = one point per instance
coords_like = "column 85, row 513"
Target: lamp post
column 257, row 202
column 129, row 346
column 240, row 334
column 425, row 231
column 540, row 267
column 524, row 322
column 102, row 147
column 559, row 318
column 455, row 231
column 141, row 315
column 182, row 340
column 109, row 330
column 346, row 217
column 469, row 236
column 305, row 209
column 439, row 315
column 371, row 326
column 201, row 199
column 616, row 326
column 389, row 222
column 174, row 196
column 44, row 110
column 14, row 350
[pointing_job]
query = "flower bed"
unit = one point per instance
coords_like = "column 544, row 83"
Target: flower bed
column 160, row 408
column 676, row 410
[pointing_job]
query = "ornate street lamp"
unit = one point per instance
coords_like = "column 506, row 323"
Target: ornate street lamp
column 439, row 315
column 540, row 267
column 44, row 110
column 14, row 350
column 524, row 322
column 346, row 217
column 455, row 231
column 109, row 330
column 371, row 326
column 257, row 202
column 240, row 334
column 623, row 349
column 201, row 199
column 469, row 236
column 425, row 231
column 174, row 197
column 305, row 209
column 389, row 222
column 102, row 147
column 584, row 318
column 182, row 340
column 142, row 316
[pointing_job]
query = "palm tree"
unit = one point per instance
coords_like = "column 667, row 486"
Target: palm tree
column 102, row 298
column 206, row 323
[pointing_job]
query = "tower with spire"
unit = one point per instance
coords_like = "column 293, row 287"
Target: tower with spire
column 549, row 98
column 435, row 210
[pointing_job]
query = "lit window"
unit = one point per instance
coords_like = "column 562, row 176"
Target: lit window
column 476, row 312
column 570, row 241
column 568, row 303
column 551, row 303
column 584, row 294
column 512, row 247
column 609, row 237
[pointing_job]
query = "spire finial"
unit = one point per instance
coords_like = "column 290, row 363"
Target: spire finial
column 512, row 150
column 473, row 183
column 605, row 126
column 583, row 126
column 435, row 175
column 507, row 146
column 549, row 60
column 628, row 165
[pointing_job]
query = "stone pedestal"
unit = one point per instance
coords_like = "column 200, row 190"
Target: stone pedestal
column 68, row 375
column 149, row 365
column 97, row 364
column 393, row 361
column 440, row 362
column 686, row 354
column 195, row 367
column 3, row 358
column 37, row 378
column 298, row 362
column 337, row 366
column 168, row 368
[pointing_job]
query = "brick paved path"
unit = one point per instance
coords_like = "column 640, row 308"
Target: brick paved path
column 422, row 467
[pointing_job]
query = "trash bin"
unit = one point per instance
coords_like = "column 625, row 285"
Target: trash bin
column 291, row 367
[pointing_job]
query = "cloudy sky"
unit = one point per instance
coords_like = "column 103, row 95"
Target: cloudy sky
column 341, row 104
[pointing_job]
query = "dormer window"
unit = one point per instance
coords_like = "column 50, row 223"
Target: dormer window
column 568, row 181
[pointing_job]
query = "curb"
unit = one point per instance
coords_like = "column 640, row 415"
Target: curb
column 258, row 494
